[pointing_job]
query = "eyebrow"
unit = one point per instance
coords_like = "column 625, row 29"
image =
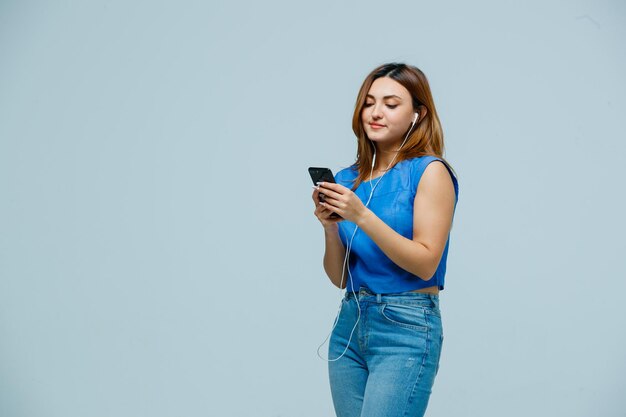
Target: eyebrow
column 386, row 97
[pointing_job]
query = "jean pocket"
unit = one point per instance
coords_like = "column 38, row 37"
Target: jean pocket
column 405, row 315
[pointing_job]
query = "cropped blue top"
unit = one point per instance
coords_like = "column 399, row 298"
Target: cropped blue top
column 392, row 202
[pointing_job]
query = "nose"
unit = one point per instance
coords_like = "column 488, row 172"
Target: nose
column 376, row 111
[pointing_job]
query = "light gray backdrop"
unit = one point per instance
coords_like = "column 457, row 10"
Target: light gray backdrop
column 158, row 250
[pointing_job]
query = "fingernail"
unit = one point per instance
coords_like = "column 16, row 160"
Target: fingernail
column 319, row 183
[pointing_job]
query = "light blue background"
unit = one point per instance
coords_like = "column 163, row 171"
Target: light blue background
column 158, row 250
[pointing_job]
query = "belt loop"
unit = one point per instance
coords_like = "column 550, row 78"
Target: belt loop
column 378, row 298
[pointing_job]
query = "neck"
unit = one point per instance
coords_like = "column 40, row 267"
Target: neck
column 385, row 155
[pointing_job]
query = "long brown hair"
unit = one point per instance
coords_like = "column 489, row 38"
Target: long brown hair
column 427, row 135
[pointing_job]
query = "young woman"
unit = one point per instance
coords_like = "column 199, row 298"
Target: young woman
column 389, row 248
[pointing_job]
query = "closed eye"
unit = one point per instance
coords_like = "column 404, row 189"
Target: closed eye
column 391, row 106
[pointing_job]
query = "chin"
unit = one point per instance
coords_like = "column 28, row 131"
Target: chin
column 377, row 138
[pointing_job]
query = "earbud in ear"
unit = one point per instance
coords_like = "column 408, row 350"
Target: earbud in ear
column 417, row 115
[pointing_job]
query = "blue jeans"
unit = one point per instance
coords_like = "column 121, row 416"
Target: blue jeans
column 390, row 365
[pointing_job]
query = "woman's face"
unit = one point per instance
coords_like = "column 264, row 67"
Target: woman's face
column 388, row 111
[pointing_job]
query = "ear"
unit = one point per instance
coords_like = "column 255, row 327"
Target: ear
column 422, row 111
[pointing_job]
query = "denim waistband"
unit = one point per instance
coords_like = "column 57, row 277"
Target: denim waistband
column 408, row 297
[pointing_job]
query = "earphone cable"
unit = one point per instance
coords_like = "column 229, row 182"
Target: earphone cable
column 346, row 263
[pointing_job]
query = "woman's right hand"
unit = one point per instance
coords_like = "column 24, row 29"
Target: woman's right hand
column 323, row 214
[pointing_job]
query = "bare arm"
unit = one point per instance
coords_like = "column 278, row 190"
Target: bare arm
column 334, row 252
column 432, row 219
column 334, row 256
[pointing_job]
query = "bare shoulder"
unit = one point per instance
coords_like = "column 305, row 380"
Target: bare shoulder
column 436, row 178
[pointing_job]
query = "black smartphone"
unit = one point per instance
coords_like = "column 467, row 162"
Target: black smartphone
column 323, row 174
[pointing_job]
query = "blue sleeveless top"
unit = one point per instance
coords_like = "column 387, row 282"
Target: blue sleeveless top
column 392, row 202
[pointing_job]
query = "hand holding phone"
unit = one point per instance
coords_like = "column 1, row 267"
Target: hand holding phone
column 326, row 175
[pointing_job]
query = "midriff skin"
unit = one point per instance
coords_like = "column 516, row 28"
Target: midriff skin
column 428, row 290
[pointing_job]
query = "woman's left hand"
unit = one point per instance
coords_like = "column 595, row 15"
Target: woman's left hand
column 342, row 201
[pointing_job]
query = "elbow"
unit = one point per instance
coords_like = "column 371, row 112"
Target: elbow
column 428, row 268
column 429, row 277
column 341, row 286
column 428, row 274
column 423, row 272
column 433, row 265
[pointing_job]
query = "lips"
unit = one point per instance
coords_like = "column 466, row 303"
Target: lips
column 376, row 125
